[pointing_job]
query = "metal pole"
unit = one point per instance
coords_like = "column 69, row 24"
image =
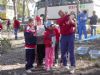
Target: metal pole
column 78, row 7
column 46, row 5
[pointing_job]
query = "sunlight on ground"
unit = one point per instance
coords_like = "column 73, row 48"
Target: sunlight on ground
column 11, row 67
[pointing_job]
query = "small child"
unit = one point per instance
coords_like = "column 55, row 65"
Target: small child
column 40, row 29
column 30, row 45
column 49, row 40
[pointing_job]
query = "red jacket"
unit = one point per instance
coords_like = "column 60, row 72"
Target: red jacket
column 66, row 28
column 48, row 37
column 16, row 24
column 57, row 33
column 1, row 26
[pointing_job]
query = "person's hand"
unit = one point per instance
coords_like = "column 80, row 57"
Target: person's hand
column 71, row 20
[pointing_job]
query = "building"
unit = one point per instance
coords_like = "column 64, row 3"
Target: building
column 6, row 9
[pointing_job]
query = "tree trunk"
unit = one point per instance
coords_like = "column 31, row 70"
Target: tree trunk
column 28, row 10
column 23, row 11
column 14, row 6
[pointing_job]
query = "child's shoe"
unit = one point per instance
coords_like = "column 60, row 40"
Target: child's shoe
column 29, row 71
column 72, row 70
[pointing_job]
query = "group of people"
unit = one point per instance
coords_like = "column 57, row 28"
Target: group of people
column 82, row 22
column 42, row 42
column 16, row 26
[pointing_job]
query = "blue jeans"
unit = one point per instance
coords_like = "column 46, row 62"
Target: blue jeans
column 93, row 30
column 67, row 47
column 16, row 33
column 82, row 29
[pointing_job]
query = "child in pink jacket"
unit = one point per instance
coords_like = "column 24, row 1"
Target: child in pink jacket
column 49, row 40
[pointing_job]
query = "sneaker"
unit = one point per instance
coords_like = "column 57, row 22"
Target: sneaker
column 29, row 71
column 56, row 65
column 72, row 70
column 67, row 67
column 48, row 69
column 34, row 64
column 32, row 68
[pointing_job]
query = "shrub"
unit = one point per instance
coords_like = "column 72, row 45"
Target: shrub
column 5, row 45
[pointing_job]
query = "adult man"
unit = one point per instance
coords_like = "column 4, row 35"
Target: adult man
column 82, row 19
column 93, row 21
column 67, row 30
column 16, row 26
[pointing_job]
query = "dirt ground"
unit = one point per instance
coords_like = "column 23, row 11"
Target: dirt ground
column 13, row 62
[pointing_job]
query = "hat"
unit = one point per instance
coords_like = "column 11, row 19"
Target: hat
column 49, row 23
column 38, row 18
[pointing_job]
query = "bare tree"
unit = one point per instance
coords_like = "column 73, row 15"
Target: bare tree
column 23, row 11
column 14, row 4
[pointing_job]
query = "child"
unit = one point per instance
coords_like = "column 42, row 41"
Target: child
column 40, row 41
column 30, row 45
column 8, row 24
column 49, row 40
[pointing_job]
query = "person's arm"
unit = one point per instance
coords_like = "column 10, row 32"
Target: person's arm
column 97, row 19
column 47, row 41
column 57, row 34
column 85, row 17
column 72, row 22
column 61, row 21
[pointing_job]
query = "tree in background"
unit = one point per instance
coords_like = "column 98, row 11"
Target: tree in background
column 15, row 8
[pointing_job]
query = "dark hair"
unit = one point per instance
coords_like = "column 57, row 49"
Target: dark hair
column 14, row 18
column 30, row 20
column 85, row 11
column 94, row 12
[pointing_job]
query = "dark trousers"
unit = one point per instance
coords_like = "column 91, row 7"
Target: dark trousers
column 56, row 51
column 30, row 57
column 40, row 54
column 93, row 30
column 67, row 47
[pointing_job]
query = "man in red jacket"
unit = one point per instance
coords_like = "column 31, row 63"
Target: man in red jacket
column 67, row 30
column 16, row 26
